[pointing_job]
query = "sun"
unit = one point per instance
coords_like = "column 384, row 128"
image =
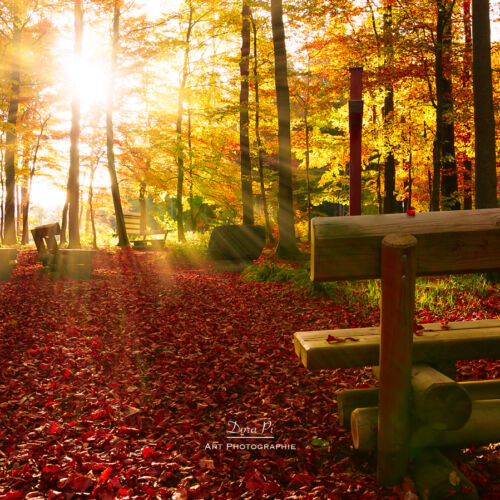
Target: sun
column 89, row 80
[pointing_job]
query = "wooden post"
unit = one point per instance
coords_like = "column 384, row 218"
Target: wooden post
column 355, row 128
column 398, row 269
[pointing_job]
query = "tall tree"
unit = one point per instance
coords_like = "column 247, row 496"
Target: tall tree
column 11, row 135
column 179, row 148
column 32, row 156
column 287, row 246
column 445, row 123
column 74, row 161
column 484, row 118
column 466, row 82
column 115, row 189
column 260, row 148
column 246, row 165
column 389, row 160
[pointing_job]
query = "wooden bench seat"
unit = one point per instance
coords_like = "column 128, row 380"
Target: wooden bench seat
column 460, row 340
column 46, row 242
column 134, row 228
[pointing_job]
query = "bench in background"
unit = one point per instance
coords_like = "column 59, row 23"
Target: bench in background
column 134, row 228
column 69, row 262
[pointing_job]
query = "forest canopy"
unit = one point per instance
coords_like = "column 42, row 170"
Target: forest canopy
column 174, row 105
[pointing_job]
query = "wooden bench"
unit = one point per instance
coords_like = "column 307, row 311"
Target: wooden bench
column 134, row 227
column 413, row 401
column 75, row 262
column 7, row 262
column 46, row 242
column 69, row 262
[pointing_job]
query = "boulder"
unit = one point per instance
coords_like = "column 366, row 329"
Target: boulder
column 237, row 242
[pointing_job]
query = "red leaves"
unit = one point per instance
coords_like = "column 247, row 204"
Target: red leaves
column 13, row 495
column 132, row 431
column 147, row 453
column 332, row 339
column 410, row 212
column 105, row 475
column 299, row 480
column 417, row 329
column 77, row 482
column 112, row 388
column 54, row 429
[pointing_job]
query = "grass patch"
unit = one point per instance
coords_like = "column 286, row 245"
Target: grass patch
column 433, row 294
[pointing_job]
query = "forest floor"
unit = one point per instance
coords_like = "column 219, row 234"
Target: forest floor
column 124, row 386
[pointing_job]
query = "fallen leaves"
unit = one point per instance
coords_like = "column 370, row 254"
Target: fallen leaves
column 112, row 388
column 332, row 339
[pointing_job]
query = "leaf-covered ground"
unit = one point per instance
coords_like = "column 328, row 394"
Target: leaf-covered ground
column 113, row 388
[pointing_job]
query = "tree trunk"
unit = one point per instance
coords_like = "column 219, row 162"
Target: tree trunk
column 91, row 207
column 192, row 216
column 484, row 118
column 2, row 199
column 18, row 208
column 246, row 165
column 32, row 170
column 178, row 128
column 74, row 165
column 260, row 155
column 115, row 189
column 466, row 81
column 25, row 209
column 449, row 180
column 64, row 220
column 389, row 161
column 308, row 147
column 287, row 246
column 143, row 221
column 11, row 142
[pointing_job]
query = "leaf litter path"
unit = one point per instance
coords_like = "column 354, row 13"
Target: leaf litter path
column 113, row 388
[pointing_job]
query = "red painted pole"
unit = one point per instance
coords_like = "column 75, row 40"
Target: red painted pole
column 355, row 126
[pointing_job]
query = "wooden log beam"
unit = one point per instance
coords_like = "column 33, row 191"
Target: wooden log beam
column 460, row 340
column 396, row 344
column 448, row 242
column 350, row 399
column 448, row 368
column 436, row 477
column 439, row 401
column 483, row 427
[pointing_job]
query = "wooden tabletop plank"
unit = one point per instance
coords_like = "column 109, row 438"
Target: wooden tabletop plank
column 448, row 242
column 460, row 340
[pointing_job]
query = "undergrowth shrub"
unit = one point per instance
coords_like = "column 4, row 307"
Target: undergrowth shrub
column 434, row 294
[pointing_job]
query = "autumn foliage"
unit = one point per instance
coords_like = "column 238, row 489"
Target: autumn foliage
column 113, row 387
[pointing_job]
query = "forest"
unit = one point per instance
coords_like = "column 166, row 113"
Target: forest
column 114, row 107
column 216, row 360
